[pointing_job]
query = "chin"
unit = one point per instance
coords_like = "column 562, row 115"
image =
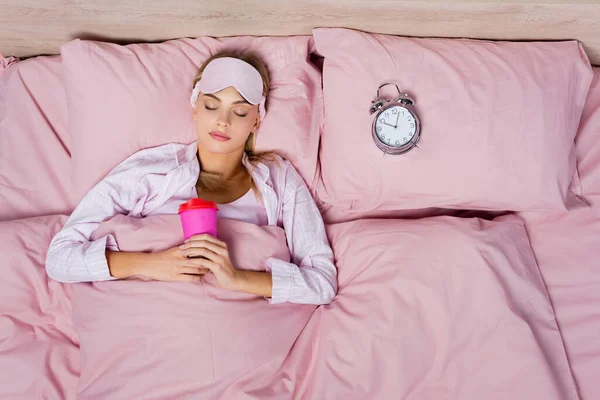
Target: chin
column 218, row 147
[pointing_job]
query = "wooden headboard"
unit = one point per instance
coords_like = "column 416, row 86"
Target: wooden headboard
column 34, row 27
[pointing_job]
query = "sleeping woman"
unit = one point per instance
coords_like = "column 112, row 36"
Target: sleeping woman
column 228, row 99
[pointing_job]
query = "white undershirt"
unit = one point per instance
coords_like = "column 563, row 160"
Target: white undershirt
column 247, row 208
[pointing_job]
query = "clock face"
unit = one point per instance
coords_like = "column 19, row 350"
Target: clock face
column 396, row 126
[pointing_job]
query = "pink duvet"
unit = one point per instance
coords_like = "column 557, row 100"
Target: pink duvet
column 39, row 348
column 437, row 308
column 142, row 339
column 566, row 247
column 440, row 308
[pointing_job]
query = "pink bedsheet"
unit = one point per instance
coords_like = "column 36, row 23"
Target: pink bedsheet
column 567, row 248
column 39, row 348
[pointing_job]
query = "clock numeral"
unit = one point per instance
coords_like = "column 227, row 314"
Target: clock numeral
column 397, row 143
column 394, row 111
column 382, row 137
column 378, row 129
column 412, row 125
column 382, row 120
column 405, row 140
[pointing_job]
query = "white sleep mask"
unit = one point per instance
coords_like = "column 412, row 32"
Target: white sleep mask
column 223, row 72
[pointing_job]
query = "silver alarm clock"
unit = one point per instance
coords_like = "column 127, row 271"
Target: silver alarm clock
column 396, row 128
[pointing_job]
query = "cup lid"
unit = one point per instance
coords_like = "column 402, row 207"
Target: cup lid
column 197, row 203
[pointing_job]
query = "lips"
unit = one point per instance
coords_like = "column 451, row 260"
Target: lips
column 220, row 136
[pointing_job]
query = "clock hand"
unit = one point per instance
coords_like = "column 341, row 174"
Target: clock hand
column 389, row 124
column 397, row 118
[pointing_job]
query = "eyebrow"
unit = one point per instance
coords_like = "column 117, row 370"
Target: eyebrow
column 243, row 101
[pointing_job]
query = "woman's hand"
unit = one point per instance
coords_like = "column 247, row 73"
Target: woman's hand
column 167, row 265
column 213, row 255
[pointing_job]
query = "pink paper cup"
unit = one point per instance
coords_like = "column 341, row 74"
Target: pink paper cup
column 198, row 216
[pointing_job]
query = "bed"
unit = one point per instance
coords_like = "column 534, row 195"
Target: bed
column 449, row 287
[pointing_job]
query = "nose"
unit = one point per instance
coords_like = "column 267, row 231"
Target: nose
column 223, row 119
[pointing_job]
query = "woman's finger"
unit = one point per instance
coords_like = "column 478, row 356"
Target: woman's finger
column 202, row 244
column 202, row 263
column 208, row 238
column 198, row 252
column 193, row 270
column 188, row 278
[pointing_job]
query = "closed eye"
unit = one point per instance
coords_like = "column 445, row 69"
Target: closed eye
column 208, row 108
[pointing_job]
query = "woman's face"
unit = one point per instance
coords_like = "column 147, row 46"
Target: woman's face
column 224, row 120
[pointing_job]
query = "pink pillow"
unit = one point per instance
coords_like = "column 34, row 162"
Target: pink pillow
column 587, row 143
column 142, row 339
column 125, row 98
column 35, row 162
column 498, row 122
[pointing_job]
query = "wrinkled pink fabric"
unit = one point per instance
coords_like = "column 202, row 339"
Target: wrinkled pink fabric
column 35, row 162
column 148, row 339
column 39, row 354
column 6, row 62
column 567, row 248
column 437, row 308
column 426, row 309
column 587, row 144
column 336, row 214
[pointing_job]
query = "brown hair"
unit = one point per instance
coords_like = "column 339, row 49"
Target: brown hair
column 213, row 180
